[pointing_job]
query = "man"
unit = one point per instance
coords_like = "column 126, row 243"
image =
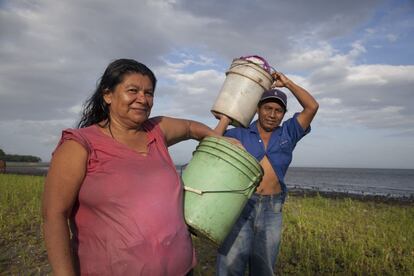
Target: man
column 255, row 237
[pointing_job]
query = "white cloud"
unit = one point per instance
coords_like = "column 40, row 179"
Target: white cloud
column 330, row 101
column 392, row 37
column 357, row 49
column 310, row 58
column 193, row 92
column 32, row 137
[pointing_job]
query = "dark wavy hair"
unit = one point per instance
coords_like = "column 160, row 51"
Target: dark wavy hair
column 95, row 109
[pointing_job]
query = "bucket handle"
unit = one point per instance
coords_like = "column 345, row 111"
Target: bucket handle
column 200, row 192
column 266, row 65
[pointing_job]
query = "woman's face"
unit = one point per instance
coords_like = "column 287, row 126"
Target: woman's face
column 131, row 101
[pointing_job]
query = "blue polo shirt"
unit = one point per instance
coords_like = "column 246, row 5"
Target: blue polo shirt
column 279, row 149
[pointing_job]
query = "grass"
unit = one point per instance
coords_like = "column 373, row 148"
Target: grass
column 345, row 236
column 321, row 236
column 21, row 246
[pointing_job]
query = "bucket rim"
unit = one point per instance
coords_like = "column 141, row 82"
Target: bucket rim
column 239, row 62
column 239, row 151
column 252, row 172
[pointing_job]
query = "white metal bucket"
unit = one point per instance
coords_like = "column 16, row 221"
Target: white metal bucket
column 241, row 91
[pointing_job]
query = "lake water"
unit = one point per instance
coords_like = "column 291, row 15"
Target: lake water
column 396, row 183
column 377, row 182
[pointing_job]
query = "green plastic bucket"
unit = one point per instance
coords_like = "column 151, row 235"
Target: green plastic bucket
column 218, row 182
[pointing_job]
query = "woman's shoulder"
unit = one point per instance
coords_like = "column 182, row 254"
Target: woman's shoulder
column 85, row 135
column 84, row 131
column 152, row 124
column 154, row 121
column 153, row 127
column 79, row 135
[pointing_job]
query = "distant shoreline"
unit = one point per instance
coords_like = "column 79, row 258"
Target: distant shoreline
column 36, row 171
column 361, row 197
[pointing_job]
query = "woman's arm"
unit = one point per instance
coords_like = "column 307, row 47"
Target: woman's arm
column 176, row 130
column 223, row 123
column 65, row 176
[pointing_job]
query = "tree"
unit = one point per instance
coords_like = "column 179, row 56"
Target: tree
column 18, row 158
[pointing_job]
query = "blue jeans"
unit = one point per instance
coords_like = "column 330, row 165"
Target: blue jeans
column 254, row 238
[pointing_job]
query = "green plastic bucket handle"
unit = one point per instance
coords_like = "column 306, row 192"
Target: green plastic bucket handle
column 200, row 192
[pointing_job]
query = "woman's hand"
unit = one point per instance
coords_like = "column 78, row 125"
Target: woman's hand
column 234, row 142
column 223, row 123
column 221, row 116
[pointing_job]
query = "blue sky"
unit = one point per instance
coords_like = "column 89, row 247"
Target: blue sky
column 386, row 33
column 355, row 57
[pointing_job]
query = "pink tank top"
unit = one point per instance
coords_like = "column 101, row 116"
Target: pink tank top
column 128, row 219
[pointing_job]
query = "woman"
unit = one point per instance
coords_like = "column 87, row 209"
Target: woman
column 115, row 182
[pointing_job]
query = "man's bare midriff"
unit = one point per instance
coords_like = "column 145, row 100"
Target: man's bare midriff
column 270, row 183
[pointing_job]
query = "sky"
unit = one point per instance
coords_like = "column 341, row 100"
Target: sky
column 355, row 57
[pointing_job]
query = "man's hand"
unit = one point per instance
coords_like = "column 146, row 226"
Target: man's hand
column 309, row 104
column 280, row 80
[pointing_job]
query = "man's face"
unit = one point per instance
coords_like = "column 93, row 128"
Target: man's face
column 270, row 115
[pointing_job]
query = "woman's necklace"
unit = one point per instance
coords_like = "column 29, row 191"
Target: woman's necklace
column 112, row 135
column 110, row 131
